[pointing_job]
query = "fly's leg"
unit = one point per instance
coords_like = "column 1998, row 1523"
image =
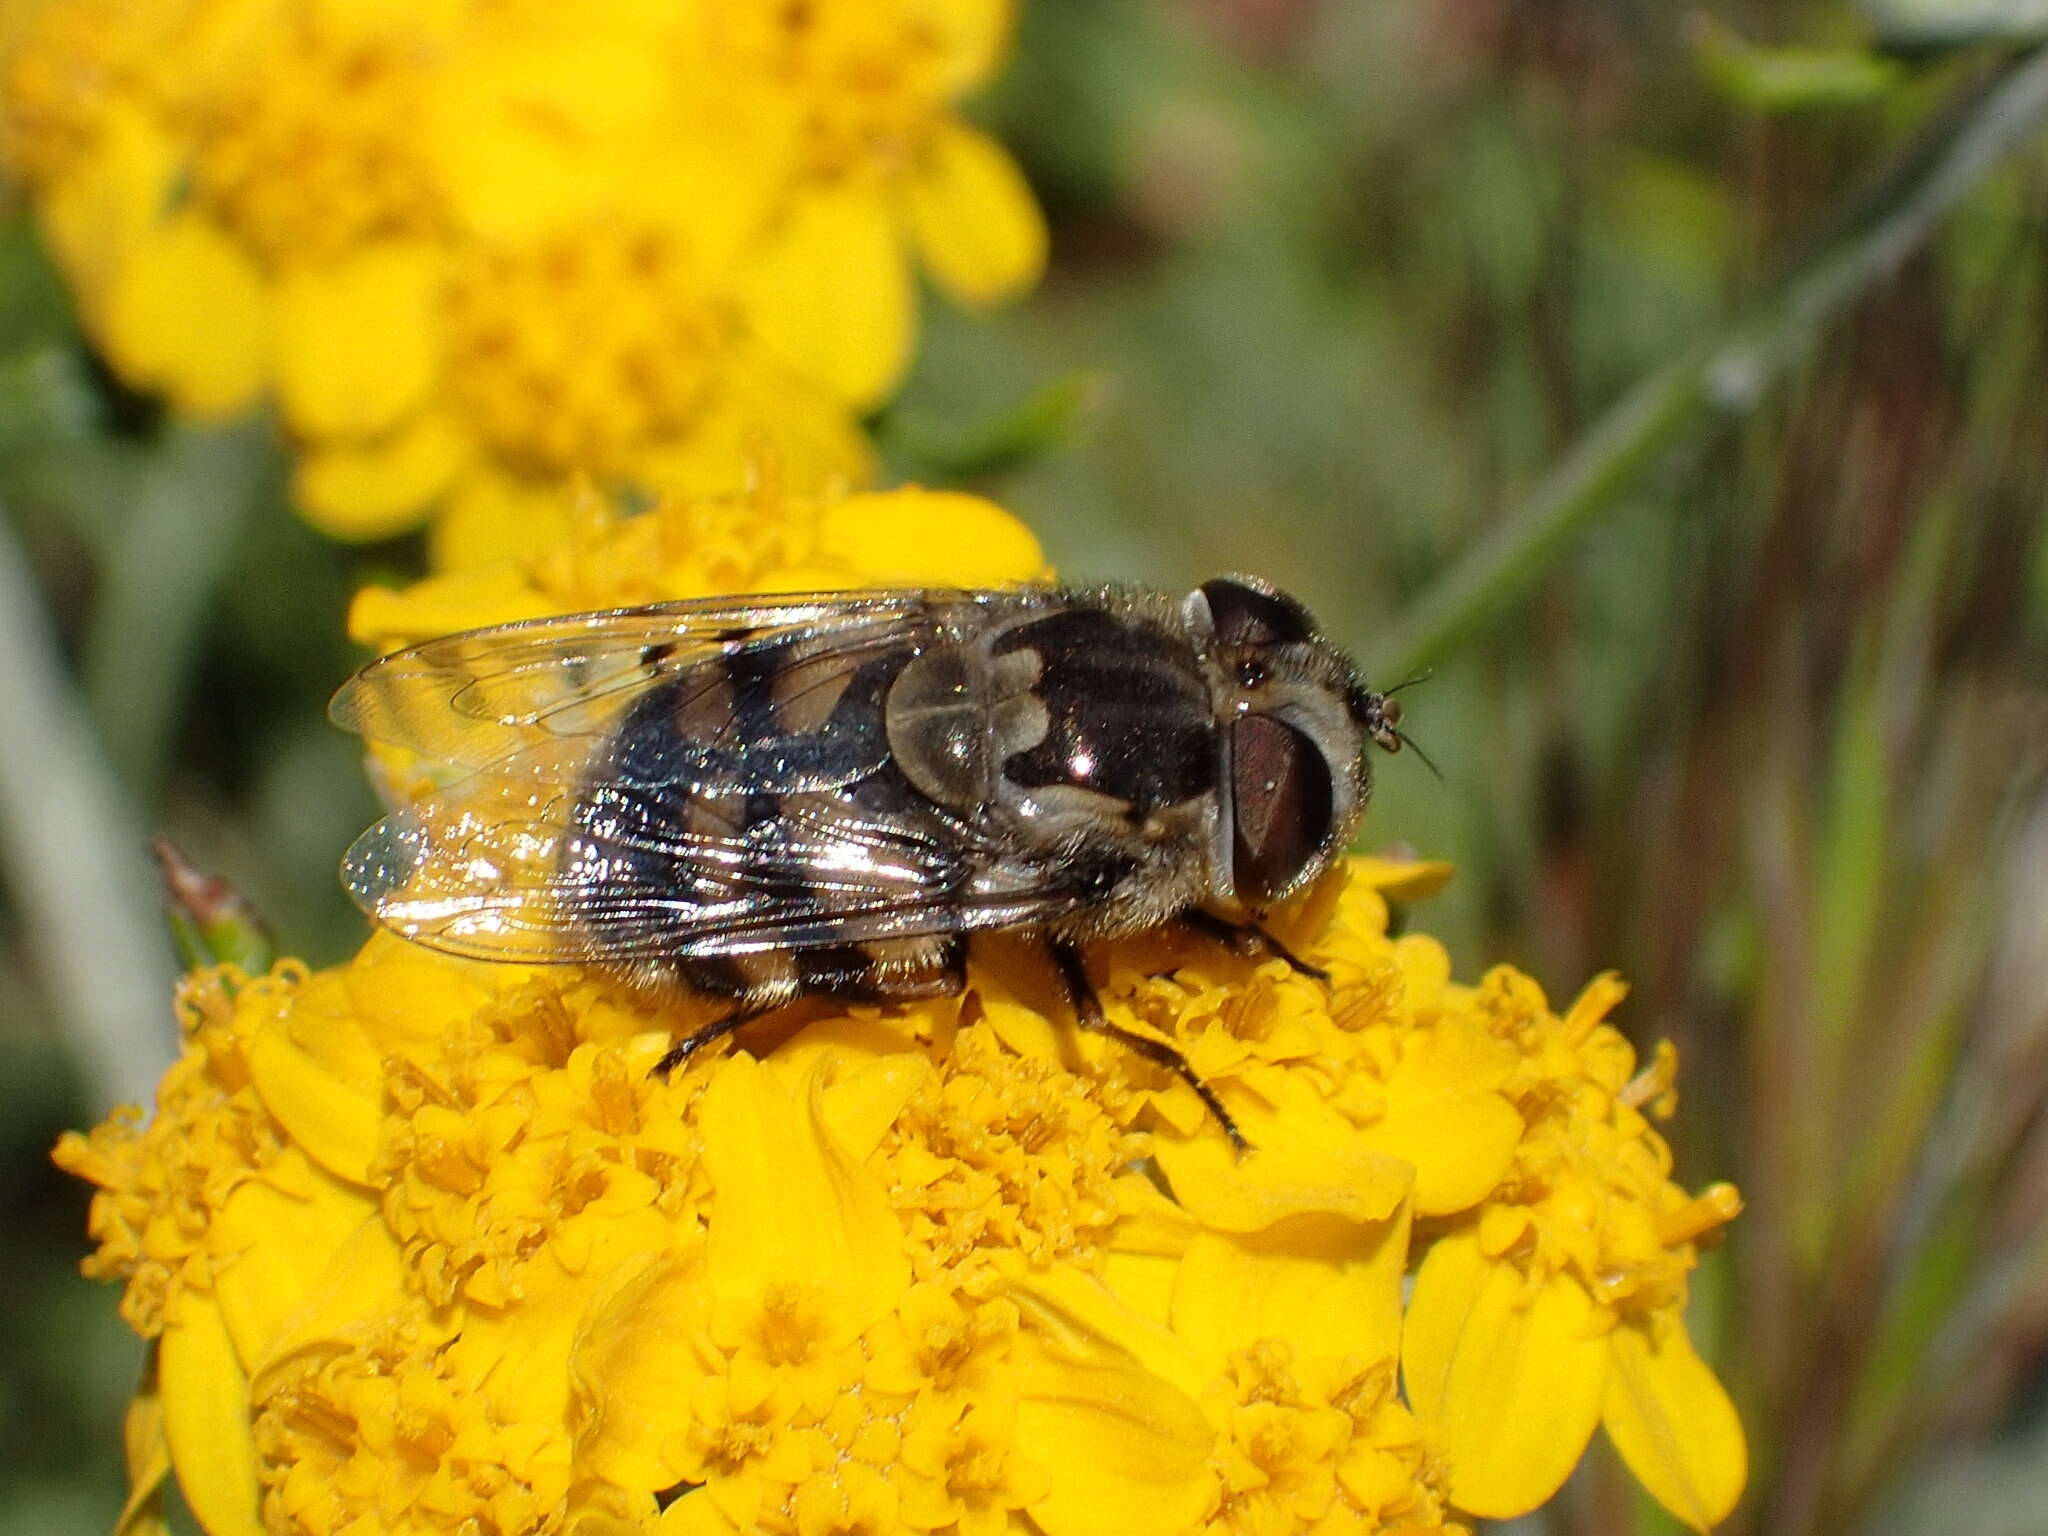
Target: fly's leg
column 1248, row 939
column 884, row 971
column 691, row 1044
column 1066, row 958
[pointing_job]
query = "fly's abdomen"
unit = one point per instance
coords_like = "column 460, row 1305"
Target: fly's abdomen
column 727, row 802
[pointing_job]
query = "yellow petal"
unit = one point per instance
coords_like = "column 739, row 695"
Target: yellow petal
column 1509, row 1382
column 940, row 538
column 147, row 1454
column 1425, row 969
column 1019, row 1008
column 1446, row 1116
column 969, row 39
column 1284, row 1175
column 533, row 127
column 632, row 1366
column 405, row 995
column 829, row 293
column 608, row 1512
column 523, row 1356
column 788, row 1204
column 1149, row 1223
column 1146, row 1247
column 867, row 1071
column 334, row 1120
column 695, row 1514
column 1402, row 879
column 1083, row 1319
column 206, row 1421
column 377, row 489
column 1143, row 1282
column 103, row 207
column 1674, row 1425
column 977, row 225
column 790, row 428
column 188, row 315
column 356, row 340
column 1128, row 1452
column 385, row 618
column 318, row 1016
column 492, row 519
column 362, row 1282
column 693, row 183
column 275, row 1249
column 1323, row 1284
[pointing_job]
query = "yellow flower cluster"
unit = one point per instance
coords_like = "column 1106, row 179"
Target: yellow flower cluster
column 426, row 1248
column 477, row 249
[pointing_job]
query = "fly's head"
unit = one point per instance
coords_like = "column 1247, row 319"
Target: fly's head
column 1294, row 720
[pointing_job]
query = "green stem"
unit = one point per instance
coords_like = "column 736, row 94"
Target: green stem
column 162, row 576
column 72, row 850
column 1730, row 375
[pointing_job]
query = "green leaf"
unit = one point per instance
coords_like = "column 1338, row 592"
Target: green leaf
column 160, row 585
column 1050, row 417
column 1789, row 79
column 34, row 311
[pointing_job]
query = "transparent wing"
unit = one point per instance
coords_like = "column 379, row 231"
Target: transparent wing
column 473, row 700
column 508, row 862
column 498, row 872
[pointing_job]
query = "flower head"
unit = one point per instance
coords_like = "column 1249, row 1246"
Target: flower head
column 1566, row 1285
column 477, row 251
column 428, row 1247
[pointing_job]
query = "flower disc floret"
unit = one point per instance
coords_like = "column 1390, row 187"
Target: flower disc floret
column 311, row 150
column 161, row 1186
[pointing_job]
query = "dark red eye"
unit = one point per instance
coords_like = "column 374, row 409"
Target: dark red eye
column 1283, row 807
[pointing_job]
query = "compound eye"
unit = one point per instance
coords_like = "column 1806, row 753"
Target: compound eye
column 1283, row 804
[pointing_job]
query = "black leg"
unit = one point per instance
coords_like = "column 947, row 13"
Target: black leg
column 1088, row 1009
column 1247, row 939
column 690, row 1045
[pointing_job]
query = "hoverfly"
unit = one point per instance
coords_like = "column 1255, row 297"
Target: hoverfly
column 767, row 798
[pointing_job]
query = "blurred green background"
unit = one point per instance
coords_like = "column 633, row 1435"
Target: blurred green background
column 1672, row 383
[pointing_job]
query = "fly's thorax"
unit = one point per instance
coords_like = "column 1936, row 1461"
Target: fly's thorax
column 1078, row 735
column 1112, row 754
column 1125, row 711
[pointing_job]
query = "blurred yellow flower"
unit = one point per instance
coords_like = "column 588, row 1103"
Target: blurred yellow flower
column 767, row 539
column 884, row 167
column 426, row 1247
column 477, row 250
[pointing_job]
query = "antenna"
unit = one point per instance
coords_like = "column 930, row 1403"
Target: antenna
column 1409, row 742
